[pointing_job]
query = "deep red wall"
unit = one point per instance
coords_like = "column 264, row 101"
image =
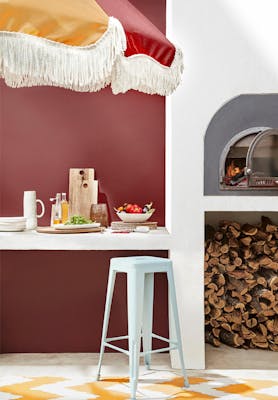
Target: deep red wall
column 53, row 301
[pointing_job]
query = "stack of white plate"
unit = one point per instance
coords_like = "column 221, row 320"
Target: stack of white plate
column 12, row 224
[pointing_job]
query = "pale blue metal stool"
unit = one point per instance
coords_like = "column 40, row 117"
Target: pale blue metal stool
column 140, row 287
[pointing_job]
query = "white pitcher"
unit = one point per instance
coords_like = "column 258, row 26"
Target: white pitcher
column 30, row 209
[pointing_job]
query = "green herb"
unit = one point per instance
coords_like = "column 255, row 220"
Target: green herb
column 78, row 220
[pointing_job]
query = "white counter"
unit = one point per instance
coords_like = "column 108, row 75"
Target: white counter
column 158, row 239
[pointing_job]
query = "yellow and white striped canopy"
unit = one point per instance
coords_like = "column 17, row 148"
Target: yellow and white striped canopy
column 79, row 45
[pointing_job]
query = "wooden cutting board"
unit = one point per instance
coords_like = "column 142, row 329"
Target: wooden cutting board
column 83, row 191
column 50, row 229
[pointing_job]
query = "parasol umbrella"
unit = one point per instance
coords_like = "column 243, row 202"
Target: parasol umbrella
column 85, row 45
column 151, row 63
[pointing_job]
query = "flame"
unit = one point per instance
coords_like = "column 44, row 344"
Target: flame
column 233, row 170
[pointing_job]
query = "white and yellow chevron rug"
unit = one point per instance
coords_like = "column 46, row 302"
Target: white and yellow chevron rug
column 154, row 385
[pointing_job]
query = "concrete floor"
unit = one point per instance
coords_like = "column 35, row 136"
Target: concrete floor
column 225, row 357
column 68, row 364
column 114, row 364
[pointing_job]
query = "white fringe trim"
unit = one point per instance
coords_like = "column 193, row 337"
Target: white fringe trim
column 143, row 73
column 27, row 60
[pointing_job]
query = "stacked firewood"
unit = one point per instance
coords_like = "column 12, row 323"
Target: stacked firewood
column 241, row 285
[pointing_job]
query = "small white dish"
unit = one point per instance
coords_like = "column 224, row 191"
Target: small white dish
column 135, row 218
column 81, row 226
column 142, row 229
column 4, row 224
column 12, row 228
column 12, row 220
column 12, row 224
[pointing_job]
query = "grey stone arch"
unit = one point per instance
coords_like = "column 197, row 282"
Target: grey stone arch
column 237, row 115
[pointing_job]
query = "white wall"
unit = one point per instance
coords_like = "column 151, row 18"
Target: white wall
column 230, row 47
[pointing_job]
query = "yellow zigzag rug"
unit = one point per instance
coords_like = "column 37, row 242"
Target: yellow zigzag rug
column 154, row 385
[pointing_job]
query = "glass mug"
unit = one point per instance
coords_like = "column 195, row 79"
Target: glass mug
column 99, row 213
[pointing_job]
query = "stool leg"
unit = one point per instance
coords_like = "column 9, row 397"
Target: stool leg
column 109, row 297
column 173, row 301
column 135, row 290
column 148, row 317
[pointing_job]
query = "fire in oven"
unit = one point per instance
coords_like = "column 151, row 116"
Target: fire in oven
column 250, row 160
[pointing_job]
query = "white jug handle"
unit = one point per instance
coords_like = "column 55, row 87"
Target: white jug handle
column 43, row 208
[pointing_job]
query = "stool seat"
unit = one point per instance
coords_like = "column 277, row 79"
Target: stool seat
column 140, row 272
column 145, row 263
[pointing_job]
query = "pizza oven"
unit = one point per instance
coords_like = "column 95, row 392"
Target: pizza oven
column 241, row 148
column 250, row 160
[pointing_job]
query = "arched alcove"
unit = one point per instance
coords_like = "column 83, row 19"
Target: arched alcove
column 242, row 118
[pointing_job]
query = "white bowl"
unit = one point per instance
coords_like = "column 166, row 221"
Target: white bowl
column 134, row 218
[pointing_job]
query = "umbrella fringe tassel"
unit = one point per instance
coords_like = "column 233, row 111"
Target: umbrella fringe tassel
column 27, row 60
column 143, row 73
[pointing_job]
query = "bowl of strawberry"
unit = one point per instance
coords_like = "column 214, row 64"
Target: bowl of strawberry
column 134, row 213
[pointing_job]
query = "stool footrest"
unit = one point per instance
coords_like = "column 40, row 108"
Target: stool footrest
column 116, row 348
column 143, row 353
column 113, row 339
column 172, row 345
column 164, row 339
